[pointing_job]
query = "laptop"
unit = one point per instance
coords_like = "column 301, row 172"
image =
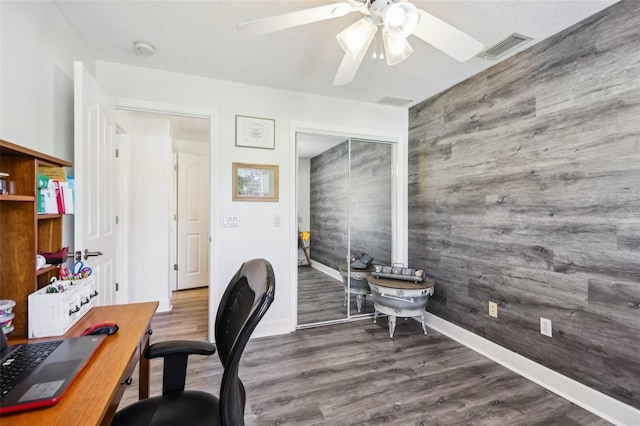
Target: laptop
column 37, row 374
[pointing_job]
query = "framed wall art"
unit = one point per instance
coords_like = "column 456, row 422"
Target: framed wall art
column 254, row 132
column 255, row 182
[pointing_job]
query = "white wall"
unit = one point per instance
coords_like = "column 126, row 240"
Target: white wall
column 256, row 236
column 150, row 206
column 37, row 50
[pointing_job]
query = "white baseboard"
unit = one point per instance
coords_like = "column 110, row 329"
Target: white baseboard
column 596, row 402
column 164, row 306
column 271, row 328
column 326, row 270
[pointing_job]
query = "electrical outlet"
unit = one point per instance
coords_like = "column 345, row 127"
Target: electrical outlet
column 545, row 326
column 493, row 309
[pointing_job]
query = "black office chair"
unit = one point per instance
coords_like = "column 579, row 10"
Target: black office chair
column 244, row 303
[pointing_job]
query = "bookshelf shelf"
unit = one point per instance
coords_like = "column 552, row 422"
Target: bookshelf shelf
column 23, row 232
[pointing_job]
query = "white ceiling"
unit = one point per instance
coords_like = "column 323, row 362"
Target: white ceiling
column 200, row 38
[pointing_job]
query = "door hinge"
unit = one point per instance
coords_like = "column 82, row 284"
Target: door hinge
column 175, row 266
column 117, row 153
column 117, row 286
column 117, row 220
column 175, row 217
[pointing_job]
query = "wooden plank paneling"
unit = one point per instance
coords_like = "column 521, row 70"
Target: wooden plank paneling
column 524, row 189
column 358, row 191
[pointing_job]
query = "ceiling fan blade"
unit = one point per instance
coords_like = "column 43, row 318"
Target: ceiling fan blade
column 446, row 37
column 301, row 17
column 349, row 66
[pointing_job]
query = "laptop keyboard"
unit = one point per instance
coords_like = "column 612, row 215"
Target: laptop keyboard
column 24, row 358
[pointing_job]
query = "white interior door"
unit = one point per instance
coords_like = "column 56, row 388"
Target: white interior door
column 193, row 221
column 94, row 156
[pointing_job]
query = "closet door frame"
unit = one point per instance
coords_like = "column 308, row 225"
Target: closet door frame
column 399, row 199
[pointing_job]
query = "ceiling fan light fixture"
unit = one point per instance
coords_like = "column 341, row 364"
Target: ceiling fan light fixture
column 400, row 19
column 357, row 37
column 396, row 49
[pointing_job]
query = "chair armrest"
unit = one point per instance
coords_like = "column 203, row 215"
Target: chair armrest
column 179, row 347
column 175, row 354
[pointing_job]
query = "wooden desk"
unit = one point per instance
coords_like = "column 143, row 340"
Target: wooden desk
column 94, row 396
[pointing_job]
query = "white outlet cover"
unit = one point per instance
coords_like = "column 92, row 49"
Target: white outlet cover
column 545, row 327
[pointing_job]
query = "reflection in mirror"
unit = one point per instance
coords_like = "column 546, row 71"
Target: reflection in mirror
column 370, row 217
column 322, row 226
column 325, row 183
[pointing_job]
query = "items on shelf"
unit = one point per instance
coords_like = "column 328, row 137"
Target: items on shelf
column 397, row 271
column 55, row 191
column 3, row 183
column 57, row 257
column 7, row 315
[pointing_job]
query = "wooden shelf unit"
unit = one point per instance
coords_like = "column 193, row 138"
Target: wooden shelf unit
column 23, row 231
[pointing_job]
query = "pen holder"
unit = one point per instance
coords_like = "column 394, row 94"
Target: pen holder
column 54, row 309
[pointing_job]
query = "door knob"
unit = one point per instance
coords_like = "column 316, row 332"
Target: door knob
column 88, row 253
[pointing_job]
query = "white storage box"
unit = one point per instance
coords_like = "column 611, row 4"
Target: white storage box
column 52, row 314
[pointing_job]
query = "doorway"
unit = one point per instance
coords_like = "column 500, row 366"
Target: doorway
column 169, row 198
column 344, row 205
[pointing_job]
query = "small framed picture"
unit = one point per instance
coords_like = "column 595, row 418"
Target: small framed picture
column 254, row 132
column 255, row 182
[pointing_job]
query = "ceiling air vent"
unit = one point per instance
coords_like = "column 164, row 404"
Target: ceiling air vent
column 501, row 48
column 390, row 100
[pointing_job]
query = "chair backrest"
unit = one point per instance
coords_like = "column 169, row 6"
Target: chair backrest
column 243, row 304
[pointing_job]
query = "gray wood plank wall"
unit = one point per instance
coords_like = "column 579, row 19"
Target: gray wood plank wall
column 367, row 204
column 524, row 189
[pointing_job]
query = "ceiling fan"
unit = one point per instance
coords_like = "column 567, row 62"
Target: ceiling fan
column 397, row 18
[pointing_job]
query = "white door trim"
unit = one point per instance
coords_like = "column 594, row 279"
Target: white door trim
column 212, row 116
column 399, row 214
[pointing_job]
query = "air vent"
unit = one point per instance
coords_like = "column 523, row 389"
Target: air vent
column 503, row 47
column 390, row 100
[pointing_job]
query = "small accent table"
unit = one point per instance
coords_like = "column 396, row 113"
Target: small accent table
column 397, row 298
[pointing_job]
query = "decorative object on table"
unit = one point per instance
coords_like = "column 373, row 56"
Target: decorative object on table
column 398, row 298
column 357, row 285
column 397, row 271
column 361, row 262
column 254, row 132
column 7, row 315
column 255, row 182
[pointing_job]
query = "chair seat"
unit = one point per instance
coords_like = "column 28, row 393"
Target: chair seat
column 178, row 408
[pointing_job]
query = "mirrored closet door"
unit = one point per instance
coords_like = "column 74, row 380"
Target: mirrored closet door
column 344, row 193
column 370, row 218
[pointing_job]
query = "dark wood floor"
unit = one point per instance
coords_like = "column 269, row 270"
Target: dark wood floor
column 353, row 374
column 321, row 298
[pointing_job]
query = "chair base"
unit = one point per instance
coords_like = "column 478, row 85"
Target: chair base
column 178, row 408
